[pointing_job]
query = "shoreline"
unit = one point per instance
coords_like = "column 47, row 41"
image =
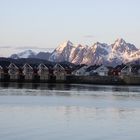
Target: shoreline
column 95, row 80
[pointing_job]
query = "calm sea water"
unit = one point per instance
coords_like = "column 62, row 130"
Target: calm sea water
column 69, row 112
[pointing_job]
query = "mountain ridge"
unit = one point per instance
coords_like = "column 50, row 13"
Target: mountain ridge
column 99, row 53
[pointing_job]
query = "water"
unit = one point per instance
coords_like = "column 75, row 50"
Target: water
column 71, row 112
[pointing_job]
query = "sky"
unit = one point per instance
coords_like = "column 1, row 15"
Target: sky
column 41, row 25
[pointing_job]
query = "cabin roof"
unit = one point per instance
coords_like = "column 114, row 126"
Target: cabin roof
column 58, row 66
column 42, row 66
column 1, row 67
column 26, row 65
column 12, row 65
column 102, row 66
column 91, row 68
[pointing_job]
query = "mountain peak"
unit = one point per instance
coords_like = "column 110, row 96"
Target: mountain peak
column 67, row 43
column 99, row 53
column 30, row 51
column 64, row 45
column 96, row 44
column 24, row 54
column 100, row 45
column 120, row 41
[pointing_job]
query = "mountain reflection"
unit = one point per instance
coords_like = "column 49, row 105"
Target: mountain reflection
column 45, row 89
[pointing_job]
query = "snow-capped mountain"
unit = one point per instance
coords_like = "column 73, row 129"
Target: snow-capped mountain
column 24, row 54
column 62, row 52
column 99, row 53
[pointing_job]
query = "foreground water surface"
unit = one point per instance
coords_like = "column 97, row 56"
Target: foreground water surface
column 69, row 112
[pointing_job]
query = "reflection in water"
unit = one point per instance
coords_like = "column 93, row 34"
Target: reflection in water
column 121, row 88
column 43, row 111
column 70, row 89
column 78, row 87
column 67, row 122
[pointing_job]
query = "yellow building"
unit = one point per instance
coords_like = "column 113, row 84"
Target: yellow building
column 1, row 73
column 28, row 72
column 59, row 72
column 13, row 71
column 43, row 72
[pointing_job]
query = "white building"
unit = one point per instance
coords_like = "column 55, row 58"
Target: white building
column 81, row 71
column 102, row 71
column 127, row 70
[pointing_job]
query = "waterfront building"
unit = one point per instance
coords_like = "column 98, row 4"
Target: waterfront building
column 127, row 70
column 59, row 72
column 43, row 72
column 102, row 71
column 28, row 72
column 13, row 71
column 117, row 70
column 1, row 73
column 138, row 71
column 92, row 70
column 81, row 71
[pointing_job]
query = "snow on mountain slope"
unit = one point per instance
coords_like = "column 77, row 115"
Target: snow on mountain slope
column 96, row 54
column 100, row 53
column 122, row 51
column 24, row 54
column 62, row 52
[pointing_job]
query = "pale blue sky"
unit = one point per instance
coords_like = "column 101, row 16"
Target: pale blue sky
column 46, row 23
